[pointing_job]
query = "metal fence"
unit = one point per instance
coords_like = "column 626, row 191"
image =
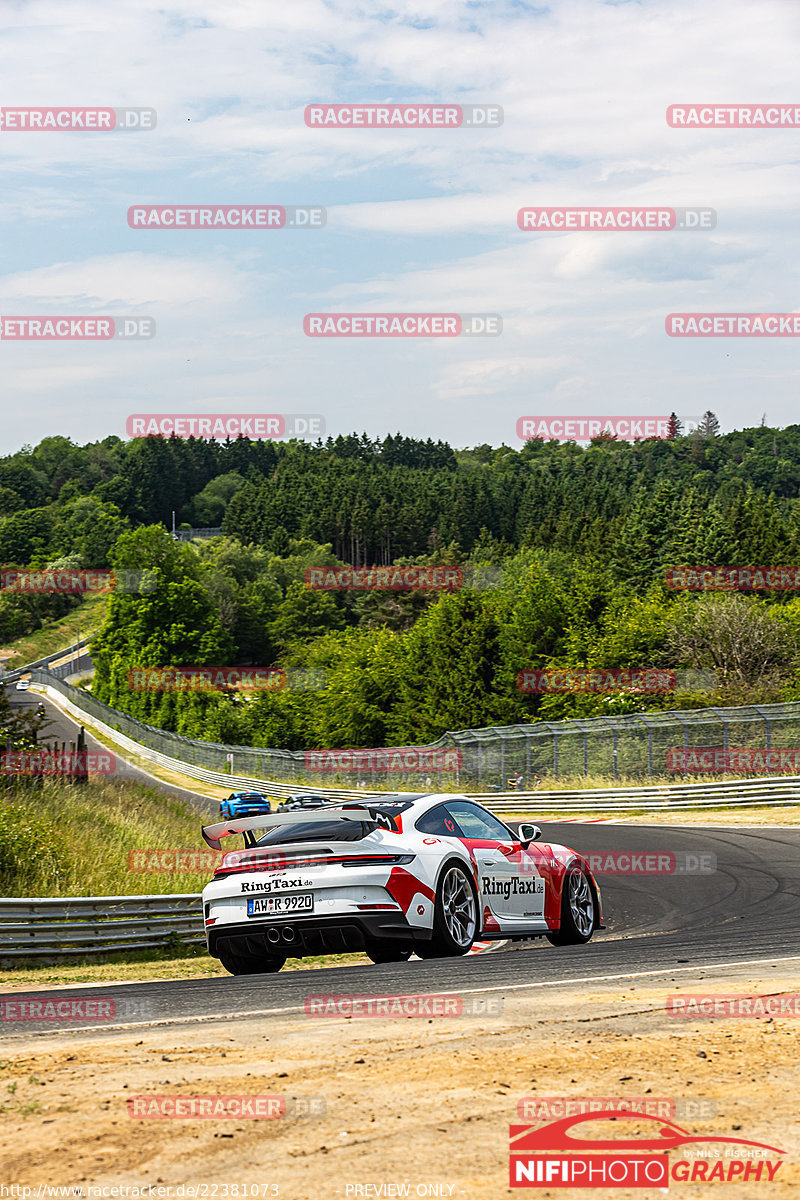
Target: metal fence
column 634, row 745
column 35, row 927
column 81, row 664
column 208, row 531
column 12, row 676
column 775, row 792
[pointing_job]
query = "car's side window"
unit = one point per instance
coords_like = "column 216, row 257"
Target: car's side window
column 476, row 822
column 440, row 822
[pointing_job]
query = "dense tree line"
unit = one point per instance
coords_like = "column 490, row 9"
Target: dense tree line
column 405, row 667
column 570, row 545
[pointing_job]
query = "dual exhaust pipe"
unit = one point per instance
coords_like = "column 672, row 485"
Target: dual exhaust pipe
column 274, row 935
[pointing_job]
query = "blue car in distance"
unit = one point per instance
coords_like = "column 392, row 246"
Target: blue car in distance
column 244, row 804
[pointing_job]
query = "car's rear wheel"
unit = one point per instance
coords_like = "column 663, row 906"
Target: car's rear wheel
column 455, row 916
column 251, row 964
column 578, row 910
column 381, row 952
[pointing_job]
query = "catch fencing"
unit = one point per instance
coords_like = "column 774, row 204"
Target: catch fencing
column 773, row 792
column 80, row 664
column 44, row 663
column 498, row 759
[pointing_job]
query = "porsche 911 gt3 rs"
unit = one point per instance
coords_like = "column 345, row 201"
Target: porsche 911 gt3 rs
column 391, row 876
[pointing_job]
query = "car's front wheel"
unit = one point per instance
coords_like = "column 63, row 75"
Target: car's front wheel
column 251, row 964
column 578, row 910
column 379, row 952
column 455, row 916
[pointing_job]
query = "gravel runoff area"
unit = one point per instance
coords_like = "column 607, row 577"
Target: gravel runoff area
column 394, row 1106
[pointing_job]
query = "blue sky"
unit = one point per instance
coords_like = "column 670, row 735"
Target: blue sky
column 417, row 220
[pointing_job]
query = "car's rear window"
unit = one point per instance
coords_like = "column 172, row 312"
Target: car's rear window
column 317, row 831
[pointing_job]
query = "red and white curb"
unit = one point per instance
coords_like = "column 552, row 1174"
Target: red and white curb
column 485, row 947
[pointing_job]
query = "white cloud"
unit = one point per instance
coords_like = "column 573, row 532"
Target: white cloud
column 418, row 221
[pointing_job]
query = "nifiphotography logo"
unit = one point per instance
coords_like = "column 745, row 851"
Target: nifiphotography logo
column 552, row 1156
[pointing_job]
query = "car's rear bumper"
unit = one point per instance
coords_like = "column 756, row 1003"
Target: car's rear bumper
column 313, row 935
column 245, row 812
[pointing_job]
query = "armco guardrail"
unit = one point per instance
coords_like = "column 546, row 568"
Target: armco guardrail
column 779, row 791
column 34, row 927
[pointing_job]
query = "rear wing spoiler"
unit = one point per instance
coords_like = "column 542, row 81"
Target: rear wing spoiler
column 212, row 834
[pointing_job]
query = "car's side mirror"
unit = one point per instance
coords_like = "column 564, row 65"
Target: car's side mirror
column 528, row 833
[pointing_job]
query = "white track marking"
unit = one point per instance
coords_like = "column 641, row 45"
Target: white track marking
column 510, row 987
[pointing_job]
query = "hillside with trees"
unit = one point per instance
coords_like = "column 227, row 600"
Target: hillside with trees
column 565, row 549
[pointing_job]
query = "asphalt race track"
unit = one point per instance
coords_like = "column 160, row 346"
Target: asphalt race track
column 746, row 909
column 62, row 728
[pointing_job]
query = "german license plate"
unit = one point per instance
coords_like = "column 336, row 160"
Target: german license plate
column 262, row 906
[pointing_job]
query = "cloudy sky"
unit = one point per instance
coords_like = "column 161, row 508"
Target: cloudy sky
column 417, row 220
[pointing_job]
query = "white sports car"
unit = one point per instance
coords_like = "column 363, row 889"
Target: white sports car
column 391, row 876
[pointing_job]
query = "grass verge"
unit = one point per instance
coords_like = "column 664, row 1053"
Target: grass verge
column 84, row 620
column 143, row 968
column 62, row 840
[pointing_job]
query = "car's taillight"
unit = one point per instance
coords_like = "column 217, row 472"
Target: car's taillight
column 368, row 860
